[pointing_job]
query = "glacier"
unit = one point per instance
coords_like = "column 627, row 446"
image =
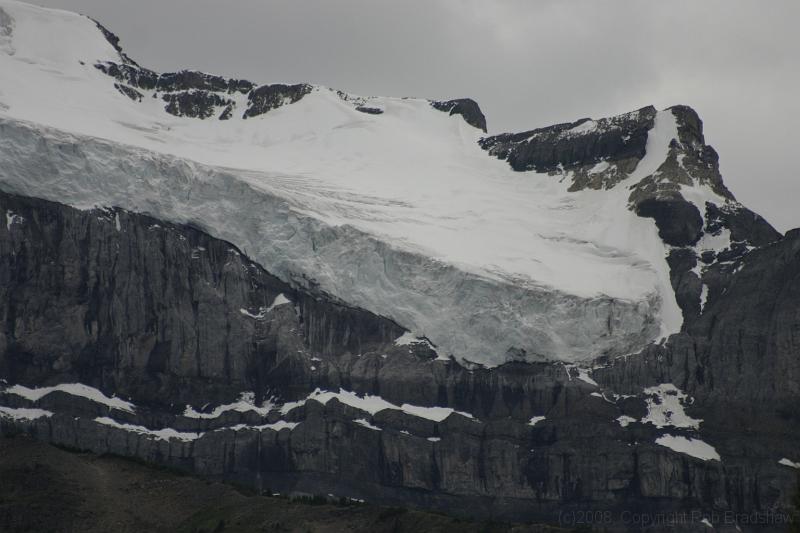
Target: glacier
column 401, row 213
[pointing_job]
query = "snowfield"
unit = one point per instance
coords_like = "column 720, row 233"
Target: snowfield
column 400, row 213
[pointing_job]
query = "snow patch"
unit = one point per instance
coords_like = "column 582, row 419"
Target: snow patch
column 599, row 168
column 715, row 243
column 625, row 420
column 408, row 338
column 279, row 300
column 12, row 219
column 165, row 434
column 245, row 403
column 289, row 406
column 703, row 297
column 374, row 404
column 260, row 315
column 583, row 374
column 536, row 419
column 582, row 128
column 368, row 403
column 437, row 414
column 73, row 389
column 689, row 446
column 262, row 311
column 665, row 407
column 275, row 426
column 23, row 413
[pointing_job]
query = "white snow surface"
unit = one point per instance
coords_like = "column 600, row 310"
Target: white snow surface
column 374, row 404
column 625, row 420
column 245, row 403
column 366, row 424
column 689, row 446
column 23, row 413
column 789, row 463
column 73, row 389
column 400, row 213
column 274, row 426
column 665, row 407
column 158, row 434
column 536, row 419
column 262, row 312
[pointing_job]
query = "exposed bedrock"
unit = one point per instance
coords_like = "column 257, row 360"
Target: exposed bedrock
column 679, row 222
column 621, row 139
column 86, row 296
column 744, row 347
column 466, row 107
column 166, row 316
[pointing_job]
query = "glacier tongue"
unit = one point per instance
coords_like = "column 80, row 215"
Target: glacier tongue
column 401, row 213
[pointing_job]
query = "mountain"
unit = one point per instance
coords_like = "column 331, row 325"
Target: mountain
column 289, row 286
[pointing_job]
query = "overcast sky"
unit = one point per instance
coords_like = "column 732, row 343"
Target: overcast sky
column 528, row 63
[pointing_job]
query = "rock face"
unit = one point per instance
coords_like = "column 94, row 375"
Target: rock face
column 164, row 316
column 679, row 222
column 621, row 139
column 200, row 95
column 269, row 97
column 161, row 313
column 467, row 108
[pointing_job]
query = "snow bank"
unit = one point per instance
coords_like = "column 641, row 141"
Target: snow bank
column 73, row 389
column 789, row 463
column 275, row 426
column 158, row 434
column 374, row 404
column 536, row 419
column 689, row 446
column 665, row 407
column 625, row 420
column 23, row 413
column 245, row 403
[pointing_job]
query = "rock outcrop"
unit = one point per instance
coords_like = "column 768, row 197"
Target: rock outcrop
column 578, row 145
column 466, row 107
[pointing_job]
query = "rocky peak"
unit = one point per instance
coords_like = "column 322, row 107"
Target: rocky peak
column 113, row 40
column 266, row 97
column 614, row 144
column 466, row 107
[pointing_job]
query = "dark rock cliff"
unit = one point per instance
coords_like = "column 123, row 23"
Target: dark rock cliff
column 467, row 108
column 165, row 316
column 160, row 313
column 621, row 139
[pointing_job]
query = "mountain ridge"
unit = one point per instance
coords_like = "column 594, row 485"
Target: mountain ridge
column 381, row 182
